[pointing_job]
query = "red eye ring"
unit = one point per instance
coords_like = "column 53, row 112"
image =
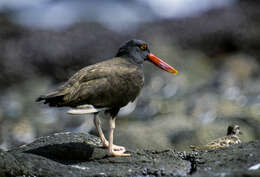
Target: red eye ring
column 143, row 47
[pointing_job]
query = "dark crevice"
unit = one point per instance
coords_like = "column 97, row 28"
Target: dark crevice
column 193, row 162
column 192, row 158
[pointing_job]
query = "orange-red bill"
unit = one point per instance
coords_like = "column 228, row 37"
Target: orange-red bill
column 161, row 64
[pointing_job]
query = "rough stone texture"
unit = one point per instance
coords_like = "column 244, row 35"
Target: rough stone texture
column 71, row 154
column 9, row 166
column 234, row 161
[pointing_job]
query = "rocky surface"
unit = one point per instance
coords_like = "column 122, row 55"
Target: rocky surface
column 216, row 53
column 238, row 160
column 71, row 154
column 68, row 154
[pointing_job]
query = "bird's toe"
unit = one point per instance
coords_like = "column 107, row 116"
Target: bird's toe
column 119, row 154
column 119, row 148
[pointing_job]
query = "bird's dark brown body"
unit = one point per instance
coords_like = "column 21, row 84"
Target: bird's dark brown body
column 112, row 84
column 107, row 85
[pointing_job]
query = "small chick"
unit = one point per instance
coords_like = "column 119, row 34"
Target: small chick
column 231, row 138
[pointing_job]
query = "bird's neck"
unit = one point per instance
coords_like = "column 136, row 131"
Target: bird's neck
column 133, row 61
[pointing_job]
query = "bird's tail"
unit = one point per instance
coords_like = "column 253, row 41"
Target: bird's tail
column 52, row 98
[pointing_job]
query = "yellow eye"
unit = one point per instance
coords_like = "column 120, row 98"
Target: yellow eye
column 143, row 47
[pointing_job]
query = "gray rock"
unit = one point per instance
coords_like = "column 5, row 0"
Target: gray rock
column 9, row 166
column 232, row 162
column 76, row 154
column 70, row 154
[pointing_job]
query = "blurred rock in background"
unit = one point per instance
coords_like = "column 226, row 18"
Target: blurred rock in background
column 215, row 45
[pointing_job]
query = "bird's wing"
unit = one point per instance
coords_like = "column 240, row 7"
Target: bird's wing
column 96, row 84
column 88, row 73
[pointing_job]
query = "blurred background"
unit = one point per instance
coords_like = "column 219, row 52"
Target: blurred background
column 215, row 45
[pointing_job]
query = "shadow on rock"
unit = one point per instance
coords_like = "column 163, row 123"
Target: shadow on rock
column 69, row 153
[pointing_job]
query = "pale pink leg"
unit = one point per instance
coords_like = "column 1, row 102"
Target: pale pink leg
column 111, row 147
column 100, row 132
column 102, row 136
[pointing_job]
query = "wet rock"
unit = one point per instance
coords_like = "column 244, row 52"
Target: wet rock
column 75, row 154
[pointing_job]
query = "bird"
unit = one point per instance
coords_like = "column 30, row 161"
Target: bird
column 106, row 87
column 231, row 138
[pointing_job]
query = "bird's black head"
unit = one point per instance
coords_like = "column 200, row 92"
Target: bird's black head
column 134, row 50
column 137, row 51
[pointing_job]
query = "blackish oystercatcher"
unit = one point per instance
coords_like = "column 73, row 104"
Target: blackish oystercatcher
column 107, row 86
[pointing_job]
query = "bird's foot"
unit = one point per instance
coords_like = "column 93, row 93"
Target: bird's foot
column 115, row 147
column 119, row 153
column 118, row 148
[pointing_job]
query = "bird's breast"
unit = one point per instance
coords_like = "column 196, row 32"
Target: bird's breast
column 127, row 85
